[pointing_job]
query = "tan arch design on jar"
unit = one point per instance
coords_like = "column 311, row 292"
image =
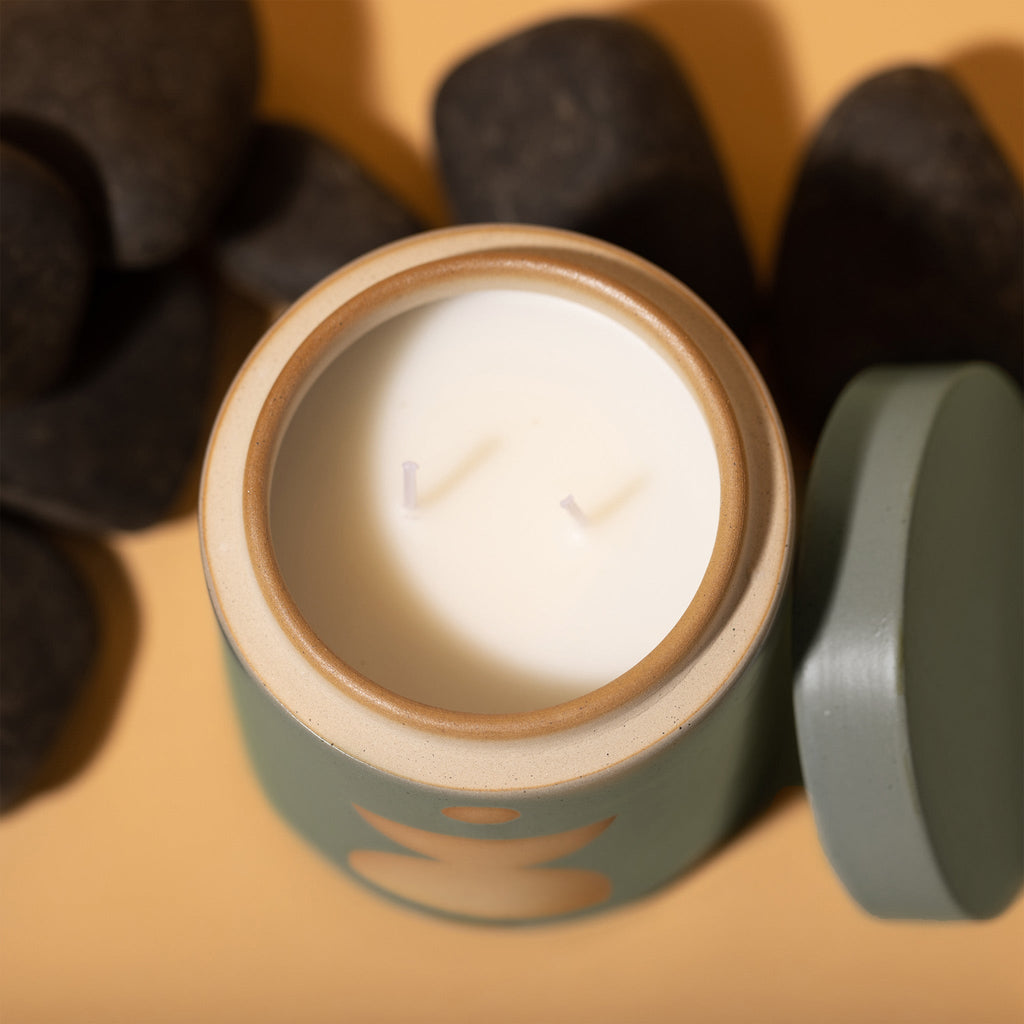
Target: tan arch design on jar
column 491, row 879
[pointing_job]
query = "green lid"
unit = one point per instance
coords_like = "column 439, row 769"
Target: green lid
column 908, row 623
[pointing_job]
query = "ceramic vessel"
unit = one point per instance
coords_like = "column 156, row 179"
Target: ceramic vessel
column 554, row 810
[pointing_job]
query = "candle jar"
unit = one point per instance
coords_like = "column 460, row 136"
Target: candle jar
column 558, row 773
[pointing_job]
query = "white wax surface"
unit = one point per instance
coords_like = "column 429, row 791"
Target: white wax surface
column 491, row 596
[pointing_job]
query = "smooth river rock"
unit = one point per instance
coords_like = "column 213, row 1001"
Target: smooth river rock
column 588, row 124
column 904, row 243
column 301, row 209
column 110, row 448
column 45, row 270
column 143, row 105
column 48, row 635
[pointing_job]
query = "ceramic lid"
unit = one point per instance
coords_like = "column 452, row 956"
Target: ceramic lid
column 908, row 641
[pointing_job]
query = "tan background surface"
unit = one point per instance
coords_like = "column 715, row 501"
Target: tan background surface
column 152, row 882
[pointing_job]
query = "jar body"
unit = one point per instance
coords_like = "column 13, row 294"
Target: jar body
column 664, row 813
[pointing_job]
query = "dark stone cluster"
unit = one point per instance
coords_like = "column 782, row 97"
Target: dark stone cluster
column 134, row 173
column 121, row 124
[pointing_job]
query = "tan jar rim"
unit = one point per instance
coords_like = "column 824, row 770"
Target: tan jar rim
column 526, row 269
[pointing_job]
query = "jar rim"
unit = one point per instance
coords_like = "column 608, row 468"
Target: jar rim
column 533, row 269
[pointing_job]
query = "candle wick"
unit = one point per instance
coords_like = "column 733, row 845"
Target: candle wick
column 409, row 485
column 570, row 505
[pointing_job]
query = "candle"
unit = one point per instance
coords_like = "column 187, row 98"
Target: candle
column 497, row 526
column 495, row 502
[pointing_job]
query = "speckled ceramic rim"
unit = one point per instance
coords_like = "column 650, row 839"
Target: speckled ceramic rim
column 444, row 278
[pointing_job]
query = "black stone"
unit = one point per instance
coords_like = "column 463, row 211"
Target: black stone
column 301, row 209
column 48, row 635
column 904, row 242
column 110, row 448
column 45, row 268
column 587, row 124
column 143, row 104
